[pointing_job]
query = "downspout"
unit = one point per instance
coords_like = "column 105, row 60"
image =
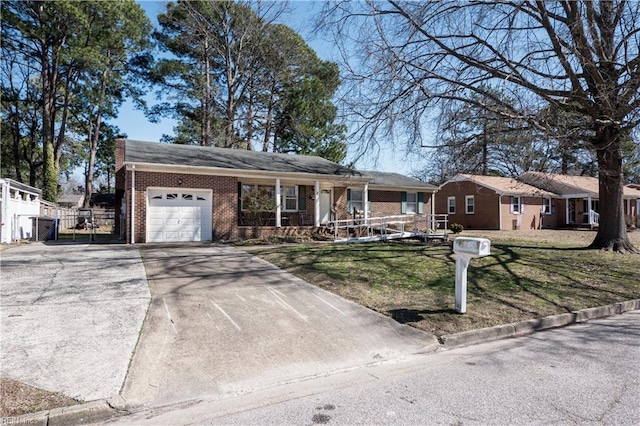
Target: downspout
column 316, row 210
column 278, row 204
column 133, row 205
column 365, row 201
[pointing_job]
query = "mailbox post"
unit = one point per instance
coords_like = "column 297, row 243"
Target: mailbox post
column 466, row 248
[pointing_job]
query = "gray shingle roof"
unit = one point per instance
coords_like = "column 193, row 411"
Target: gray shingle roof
column 395, row 180
column 187, row 155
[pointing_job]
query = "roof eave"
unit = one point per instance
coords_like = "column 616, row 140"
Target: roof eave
column 219, row 171
column 402, row 187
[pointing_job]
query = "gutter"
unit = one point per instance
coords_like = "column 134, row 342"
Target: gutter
column 215, row 171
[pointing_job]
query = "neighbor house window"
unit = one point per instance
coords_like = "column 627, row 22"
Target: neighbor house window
column 469, row 204
column 411, row 203
column 289, row 196
column 451, row 205
column 517, row 205
column 547, row 206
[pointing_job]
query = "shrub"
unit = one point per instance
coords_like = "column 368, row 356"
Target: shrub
column 456, row 228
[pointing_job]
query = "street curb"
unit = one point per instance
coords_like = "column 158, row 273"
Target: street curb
column 81, row 414
column 474, row 337
column 102, row 410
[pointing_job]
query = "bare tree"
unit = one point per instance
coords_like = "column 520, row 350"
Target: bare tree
column 576, row 56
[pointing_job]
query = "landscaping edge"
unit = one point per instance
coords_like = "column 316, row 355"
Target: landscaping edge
column 102, row 410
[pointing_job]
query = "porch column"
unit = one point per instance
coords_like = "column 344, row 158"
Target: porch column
column 589, row 210
column 316, row 206
column 278, row 205
column 499, row 212
column 365, row 201
column 566, row 208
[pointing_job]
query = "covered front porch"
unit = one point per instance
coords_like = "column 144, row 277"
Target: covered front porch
column 293, row 202
column 582, row 210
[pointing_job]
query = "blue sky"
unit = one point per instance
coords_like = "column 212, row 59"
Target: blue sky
column 136, row 126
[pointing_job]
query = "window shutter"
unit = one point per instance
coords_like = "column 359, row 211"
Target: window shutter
column 349, row 200
column 302, row 198
column 403, row 202
column 420, row 202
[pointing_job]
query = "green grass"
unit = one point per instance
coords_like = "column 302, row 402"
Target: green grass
column 414, row 283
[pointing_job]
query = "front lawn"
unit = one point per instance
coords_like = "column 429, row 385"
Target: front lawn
column 414, row 283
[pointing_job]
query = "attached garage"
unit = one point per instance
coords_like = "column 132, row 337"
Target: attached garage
column 178, row 215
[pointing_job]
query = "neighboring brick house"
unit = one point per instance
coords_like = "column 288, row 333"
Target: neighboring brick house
column 578, row 199
column 491, row 202
column 193, row 193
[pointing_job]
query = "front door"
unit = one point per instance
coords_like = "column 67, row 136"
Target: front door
column 572, row 210
column 325, row 206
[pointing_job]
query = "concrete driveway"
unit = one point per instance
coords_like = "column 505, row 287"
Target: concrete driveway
column 71, row 316
column 223, row 322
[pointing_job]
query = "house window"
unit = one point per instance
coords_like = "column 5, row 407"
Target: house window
column 268, row 191
column 517, row 205
column 469, row 204
column 355, row 200
column 411, row 203
column 451, row 205
column 289, row 196
column 547, row 206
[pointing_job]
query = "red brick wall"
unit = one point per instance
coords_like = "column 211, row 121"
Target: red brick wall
column 385, row 203
column 340, row 201
column 224, row 203
column 389, row 203
column 486, row 215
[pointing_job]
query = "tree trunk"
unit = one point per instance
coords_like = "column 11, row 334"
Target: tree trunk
column 16, row 146
column 206, row 107
column 612, row 230
column 93, row 139
column 269, row 123
column 49, row 172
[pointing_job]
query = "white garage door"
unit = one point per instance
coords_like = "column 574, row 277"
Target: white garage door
column 178, row 215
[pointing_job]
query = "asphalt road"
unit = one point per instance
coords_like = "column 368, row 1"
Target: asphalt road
column 587, row 373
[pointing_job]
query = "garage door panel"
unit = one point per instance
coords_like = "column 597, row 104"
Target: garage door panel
column 176, row 215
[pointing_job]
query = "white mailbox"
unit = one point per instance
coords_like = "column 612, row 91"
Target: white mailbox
column 466, row 248
column 472, row 247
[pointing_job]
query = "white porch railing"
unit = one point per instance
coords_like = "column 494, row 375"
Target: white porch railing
column 390, row 227
column 594, row 218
